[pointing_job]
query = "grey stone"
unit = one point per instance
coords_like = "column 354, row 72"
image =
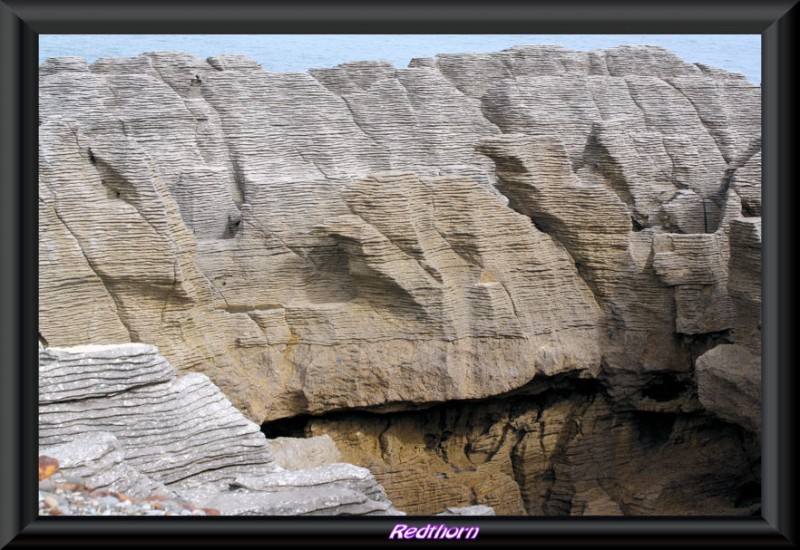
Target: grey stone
column 179, row 437
column 729, row 385
column 475, row 510
column 294, row 453
column 97, row 460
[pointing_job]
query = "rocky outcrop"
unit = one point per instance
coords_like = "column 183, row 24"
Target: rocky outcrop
column 729, row 385
column 264, row 249
column 366, row 237
column 97, row 460
column 117, row 418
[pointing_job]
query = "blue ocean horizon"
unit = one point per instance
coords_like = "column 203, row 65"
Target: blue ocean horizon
column 740, row 53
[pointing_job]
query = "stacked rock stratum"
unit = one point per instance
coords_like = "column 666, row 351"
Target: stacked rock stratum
column 117, row 418
column 577, row 230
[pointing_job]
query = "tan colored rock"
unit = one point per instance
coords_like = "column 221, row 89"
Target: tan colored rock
column 47, row 466
column 391, row 238
column 264, row 236
column 553, row 453
column 729, row 385
column 594, row 225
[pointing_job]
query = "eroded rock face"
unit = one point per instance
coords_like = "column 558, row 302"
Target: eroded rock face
column 259, row 250
column 117, row 418
column 292, row 453
column 561, row 451
column 729, row 385
column 371, row 237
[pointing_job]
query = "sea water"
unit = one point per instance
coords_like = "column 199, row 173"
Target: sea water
column 739, row 53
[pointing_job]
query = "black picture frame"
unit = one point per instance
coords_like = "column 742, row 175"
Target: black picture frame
column 22, row 21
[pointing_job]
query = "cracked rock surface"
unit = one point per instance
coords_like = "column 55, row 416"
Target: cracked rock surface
column 389, row 239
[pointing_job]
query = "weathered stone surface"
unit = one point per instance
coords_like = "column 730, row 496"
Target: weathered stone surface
column 187, row 418
column 744, row 282
column 97, row 459
column 47, row 467
column 561, row 451
column 117, row 418
column 84, row 372
column 477, row 510
column 322, row 490
column 269, row 238
column 300, row 502
column 294, row 453
column 387, row 238
column 747, row 184
column 729, row 385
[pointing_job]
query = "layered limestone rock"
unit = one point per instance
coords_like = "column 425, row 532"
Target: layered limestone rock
column 387, row 238
column 97, row 459
column 117, row 418
column 259, row 250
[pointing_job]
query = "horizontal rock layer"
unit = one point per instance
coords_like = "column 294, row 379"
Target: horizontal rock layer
column 371, row 237
column 147, row 434
column 364, row 235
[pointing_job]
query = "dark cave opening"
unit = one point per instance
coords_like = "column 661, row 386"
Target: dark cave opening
column 654, row 428
column 666, row 387
column 749, row 494
column 293, row 426
column 749, row 210
column 541, row 390
column 514, row 431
